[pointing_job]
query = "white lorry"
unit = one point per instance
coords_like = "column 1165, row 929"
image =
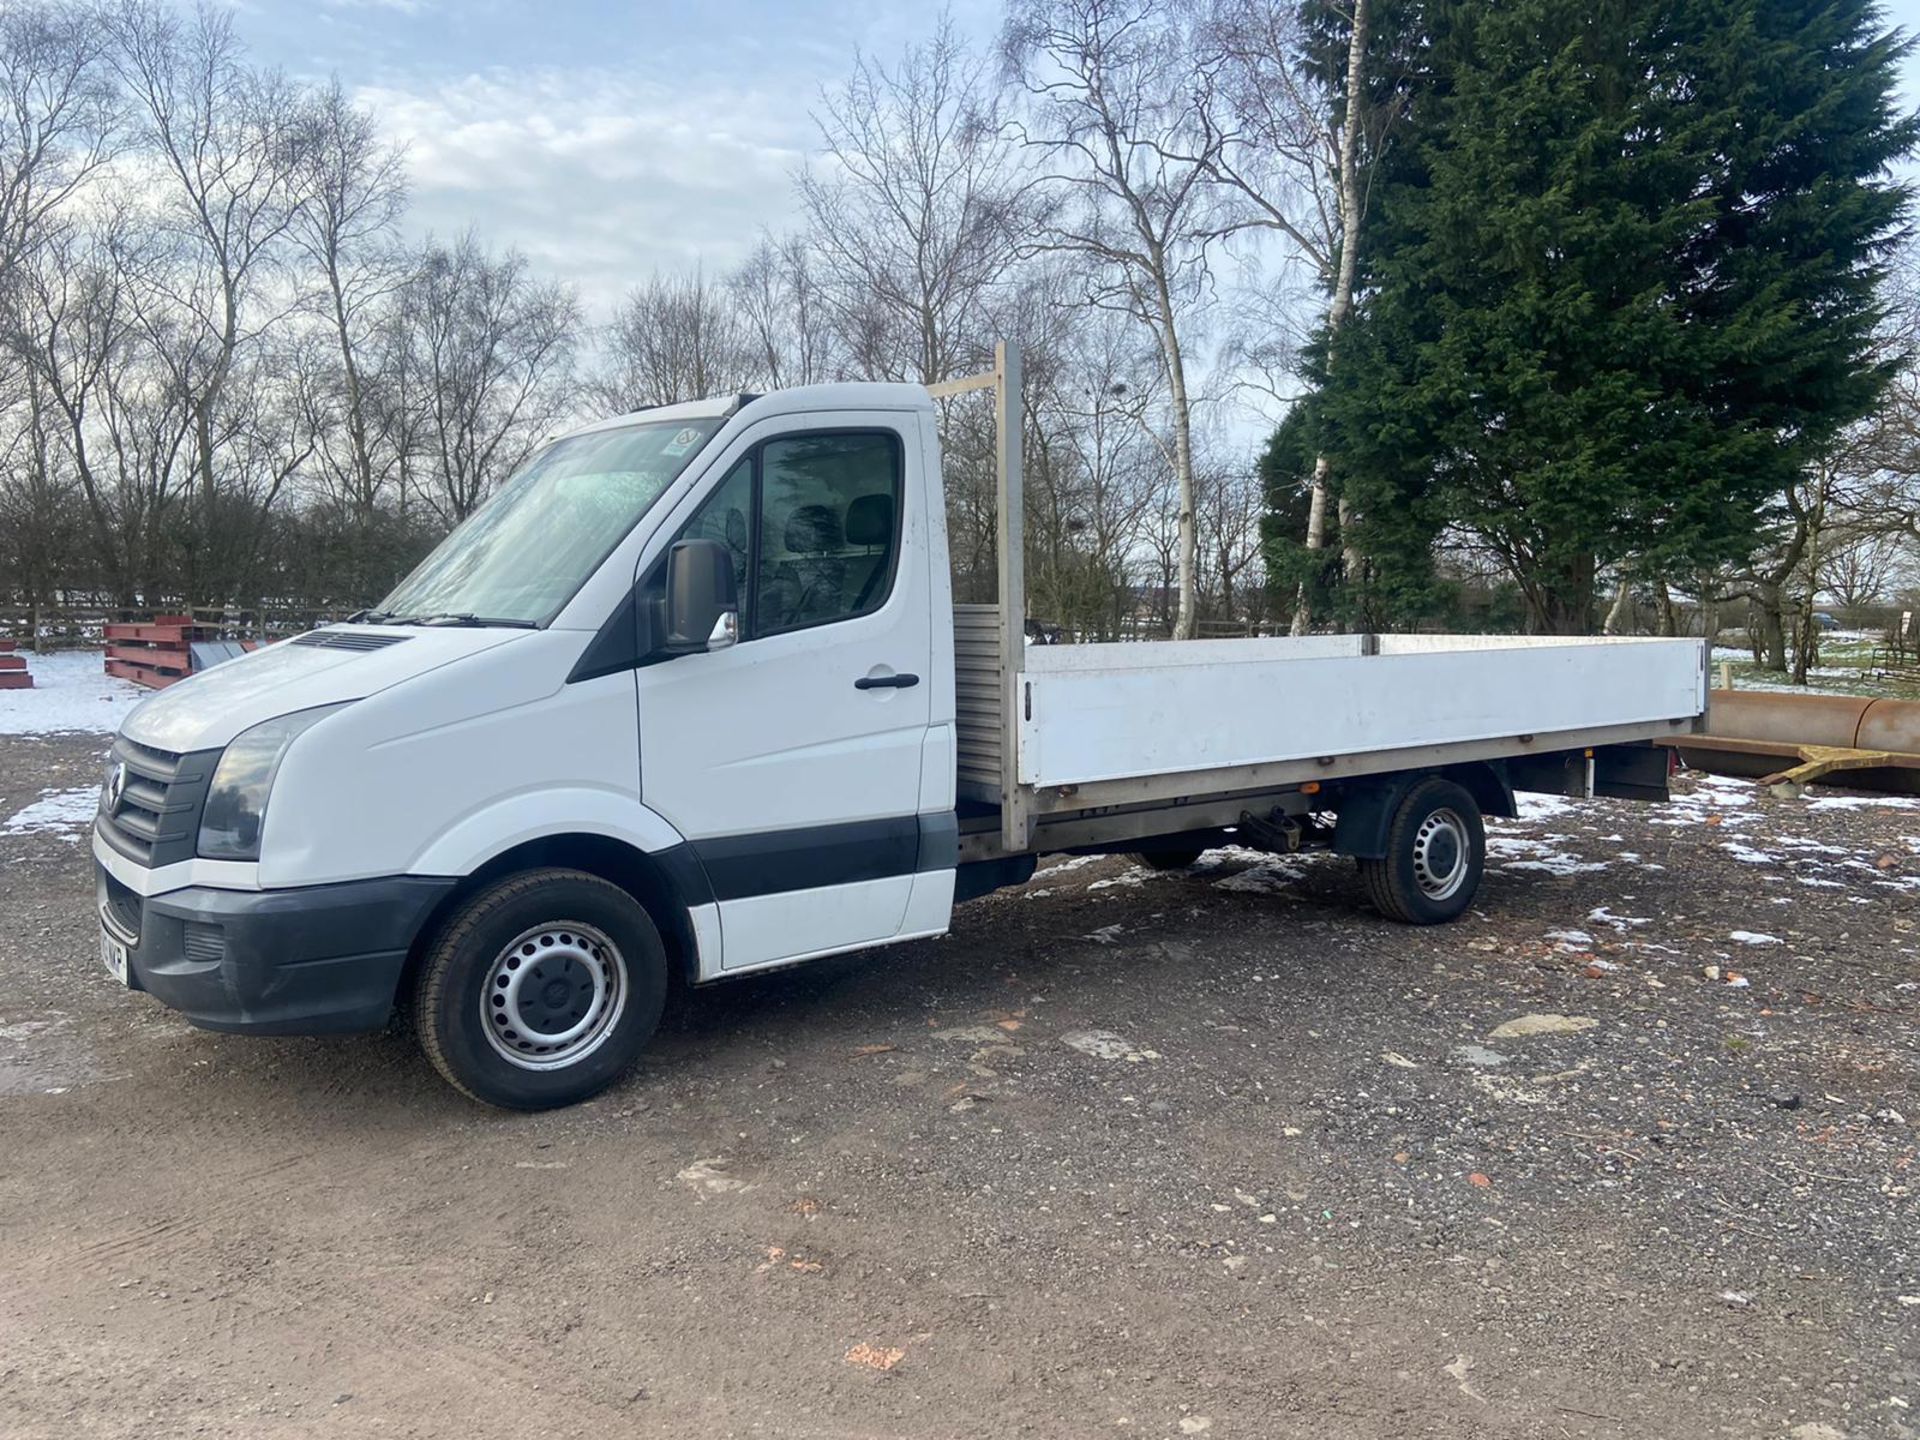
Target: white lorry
column 690, row 695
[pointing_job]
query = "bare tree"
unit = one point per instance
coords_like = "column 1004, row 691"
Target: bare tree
column 353, row 193
column 909, row 218
column 675, row 337
column 1230, row 531
column 1101, row 406
column 489, row 356
column 1861, row 568
column 58, row 117
column 108, row 397
column 781, row 312
column 58, row 127
column 1127, row 155
column 227, row 141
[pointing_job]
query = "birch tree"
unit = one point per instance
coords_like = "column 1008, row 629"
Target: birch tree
column 1295, row 142
column 1125, row 161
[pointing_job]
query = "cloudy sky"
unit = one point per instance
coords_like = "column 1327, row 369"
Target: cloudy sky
column 601, row 138
column 605, row 138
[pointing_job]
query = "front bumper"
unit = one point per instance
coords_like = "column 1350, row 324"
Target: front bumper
column 316, row 960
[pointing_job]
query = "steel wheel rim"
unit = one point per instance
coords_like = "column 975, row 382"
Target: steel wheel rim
column 553, row 995
column 1442, row 848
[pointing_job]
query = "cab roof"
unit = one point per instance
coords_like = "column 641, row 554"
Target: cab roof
column 799, row 399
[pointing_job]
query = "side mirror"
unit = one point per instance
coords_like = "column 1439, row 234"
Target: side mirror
column 703, row 606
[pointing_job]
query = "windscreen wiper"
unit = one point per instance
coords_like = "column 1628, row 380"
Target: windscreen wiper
column 461, row 617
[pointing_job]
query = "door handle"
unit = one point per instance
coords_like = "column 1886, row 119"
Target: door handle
column 886, row 682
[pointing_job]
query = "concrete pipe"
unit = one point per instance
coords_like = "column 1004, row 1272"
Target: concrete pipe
column 1788, row 720
column 1757, row 732
column 1890, row 725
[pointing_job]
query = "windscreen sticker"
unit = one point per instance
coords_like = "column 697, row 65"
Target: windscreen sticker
column 683, row 442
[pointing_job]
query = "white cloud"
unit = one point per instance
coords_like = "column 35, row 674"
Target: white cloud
column 596, row 177
column 401, row 7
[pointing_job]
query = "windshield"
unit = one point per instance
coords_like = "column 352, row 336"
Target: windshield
column 522, row 555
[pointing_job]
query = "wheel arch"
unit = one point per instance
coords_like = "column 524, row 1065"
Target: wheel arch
column 667, row 884
column 1366, row 807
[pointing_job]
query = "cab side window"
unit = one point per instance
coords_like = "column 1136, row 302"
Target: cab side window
column 829, row 517
column 813, row 525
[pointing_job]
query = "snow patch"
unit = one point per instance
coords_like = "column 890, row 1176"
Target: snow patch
column 1794, row 842
column 1522, row 854
column 1753, row 937
column 1076, row 863
column 1746, row 854
column 1622, row 923
column 1541, row 807
column 1864, row 802
column 56, row 812
column 72, row 692
column 1138, row 875
column 1718, row 798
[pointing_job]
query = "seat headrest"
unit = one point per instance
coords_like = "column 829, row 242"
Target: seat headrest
column 870, row 520
column 812, row 530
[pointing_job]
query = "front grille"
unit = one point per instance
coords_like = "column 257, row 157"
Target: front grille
column 121, row 907
column 348, row 639
column 156, row 818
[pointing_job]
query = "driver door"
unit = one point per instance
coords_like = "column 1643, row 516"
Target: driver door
column 791, row 760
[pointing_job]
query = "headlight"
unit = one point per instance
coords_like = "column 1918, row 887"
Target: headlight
column 237, row 798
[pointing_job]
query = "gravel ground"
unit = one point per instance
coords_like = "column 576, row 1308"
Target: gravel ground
column 1217, row 1152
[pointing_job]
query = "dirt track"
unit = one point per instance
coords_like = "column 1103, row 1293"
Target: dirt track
column 1293, row 1186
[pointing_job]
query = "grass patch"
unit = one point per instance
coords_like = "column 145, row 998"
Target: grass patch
column 1845, row 668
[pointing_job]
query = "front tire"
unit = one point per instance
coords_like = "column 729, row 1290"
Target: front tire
column 1436, row 856
column 541, row 990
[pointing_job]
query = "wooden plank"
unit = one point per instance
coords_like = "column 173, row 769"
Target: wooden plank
column 15, row 680
column 943, row 389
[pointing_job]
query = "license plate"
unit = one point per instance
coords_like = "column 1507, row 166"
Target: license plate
column 113, row 955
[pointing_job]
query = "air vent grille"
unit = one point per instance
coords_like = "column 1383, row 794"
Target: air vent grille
column 348, row 639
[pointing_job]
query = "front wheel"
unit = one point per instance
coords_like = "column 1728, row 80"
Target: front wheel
column 541, row 990
column 1436, row 855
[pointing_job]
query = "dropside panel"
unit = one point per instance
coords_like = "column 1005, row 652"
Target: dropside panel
column 1212, row 705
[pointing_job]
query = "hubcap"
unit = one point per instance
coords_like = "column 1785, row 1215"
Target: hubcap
column 553, row 996
column 1441, row 849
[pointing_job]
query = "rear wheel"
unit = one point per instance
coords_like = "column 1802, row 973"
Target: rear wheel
column 1168, row 859
column 1436, row 855
column 541, row 990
